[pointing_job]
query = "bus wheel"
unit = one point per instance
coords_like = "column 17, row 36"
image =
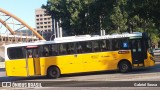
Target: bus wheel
column 53, row 72
column 124, row 67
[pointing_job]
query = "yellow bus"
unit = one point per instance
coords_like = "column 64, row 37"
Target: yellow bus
column 78, row 54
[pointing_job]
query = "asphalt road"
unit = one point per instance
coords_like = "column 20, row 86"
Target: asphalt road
column 136, row 74
column 109, row 80
column 97, row 79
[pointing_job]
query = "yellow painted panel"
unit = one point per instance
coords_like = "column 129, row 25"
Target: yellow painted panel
column 31, row 67
column 67, row 64
column 37, row 66
column 16, row 67
column 148, row 62
column 44, row 66
column 84, row 62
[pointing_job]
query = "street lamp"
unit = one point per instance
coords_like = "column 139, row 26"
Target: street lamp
column 52, row 36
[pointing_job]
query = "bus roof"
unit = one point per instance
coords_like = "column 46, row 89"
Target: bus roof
column 77, row 38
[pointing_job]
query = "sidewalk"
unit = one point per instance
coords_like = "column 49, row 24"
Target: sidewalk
column 2, row 65
column 2, row 69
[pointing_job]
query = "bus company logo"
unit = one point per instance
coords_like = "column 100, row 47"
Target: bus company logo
column 6, row 84
column 20, row 85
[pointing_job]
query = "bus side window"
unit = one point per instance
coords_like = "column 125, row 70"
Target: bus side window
column 62, row 49
column 54, row 50
column 102, row 45
column 70, row 48
column 115, row 44
column 108, row 45
column 79, row 48
column 45, row 51
column 30, row 53
column 16, row 53
column 96, row 46
column 88, row 47
column 84, row 47
column 118, row 44
column 121, row 43
column 35, row 53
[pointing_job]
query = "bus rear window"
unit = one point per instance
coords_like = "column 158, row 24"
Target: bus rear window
column 15, row 53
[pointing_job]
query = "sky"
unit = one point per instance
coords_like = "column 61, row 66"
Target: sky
column 24, row 9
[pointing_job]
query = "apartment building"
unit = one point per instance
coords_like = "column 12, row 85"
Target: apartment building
column 43, row 21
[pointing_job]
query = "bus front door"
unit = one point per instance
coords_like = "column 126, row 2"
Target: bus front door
column 32, row 62
column 137, row 52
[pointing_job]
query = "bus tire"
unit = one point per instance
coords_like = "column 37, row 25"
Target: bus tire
column 53, row 72
column 124, row 67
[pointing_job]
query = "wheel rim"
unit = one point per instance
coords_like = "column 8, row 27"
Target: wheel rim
column 124, row 67
column 53, row 73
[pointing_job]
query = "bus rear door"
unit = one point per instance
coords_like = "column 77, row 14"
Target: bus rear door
column 32, row 60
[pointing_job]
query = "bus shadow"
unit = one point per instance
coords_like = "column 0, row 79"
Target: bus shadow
column 11, row 79
column 89, row 73
column 6, row 79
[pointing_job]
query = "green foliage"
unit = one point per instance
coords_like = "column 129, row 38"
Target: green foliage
column 91, row 16
column 119, row 19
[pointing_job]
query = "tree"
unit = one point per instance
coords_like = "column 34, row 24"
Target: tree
column 144, row 17
column 91, row 16
column 119, row 19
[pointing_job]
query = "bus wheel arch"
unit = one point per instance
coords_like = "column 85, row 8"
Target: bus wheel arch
column 124, row 66
column 53, row 72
